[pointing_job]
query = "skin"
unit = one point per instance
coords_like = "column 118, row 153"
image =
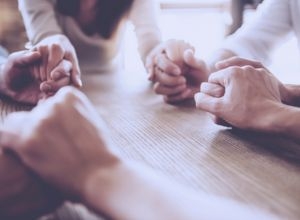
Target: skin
column 181, row 81
column 80, row 161
column 21, row 80
column 54, row 50
column 250, row 92
column 22, row 194
column 176, row 79
column 222, row 113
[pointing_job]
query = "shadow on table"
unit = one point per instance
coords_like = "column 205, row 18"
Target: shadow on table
column 262, row 143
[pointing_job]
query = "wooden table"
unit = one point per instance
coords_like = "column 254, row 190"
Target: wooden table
column 181, row 142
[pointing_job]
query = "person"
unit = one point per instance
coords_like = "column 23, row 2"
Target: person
column 84, row 165
column 22, row 194
column 274, row 20
column 90, row 32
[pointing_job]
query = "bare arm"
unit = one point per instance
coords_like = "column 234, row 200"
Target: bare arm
column 132, row 191
column 22, row 194
column 86, row 167
column 286, row 122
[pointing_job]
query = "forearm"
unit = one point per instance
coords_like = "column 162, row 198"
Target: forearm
column 287, row 122
column 130, row 191
column 22, row 196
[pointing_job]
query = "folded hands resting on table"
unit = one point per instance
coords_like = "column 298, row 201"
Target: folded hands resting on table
column 82, row 164
column 234, row 90
column 28, row 76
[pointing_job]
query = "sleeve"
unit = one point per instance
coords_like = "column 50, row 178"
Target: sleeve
column 256, row 39
column 143, row 15
column 39, row 18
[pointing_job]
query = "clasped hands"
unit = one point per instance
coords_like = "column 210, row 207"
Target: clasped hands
column 31, row 75
column 236, row 92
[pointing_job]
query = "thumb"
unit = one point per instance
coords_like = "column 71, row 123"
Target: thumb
column 191, row 60
column 208, row 103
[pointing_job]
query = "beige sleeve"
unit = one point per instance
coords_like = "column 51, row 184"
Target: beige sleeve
column 143, row 15
column 39, row 19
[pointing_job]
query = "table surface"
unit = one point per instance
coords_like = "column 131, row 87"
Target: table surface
column 182, row 142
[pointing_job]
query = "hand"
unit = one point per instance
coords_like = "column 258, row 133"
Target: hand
column 177, row 73
column 251, row 99
column 238, row 61
column 22, row 194
column 50, row 142
column 20, row 77
column 55, row 49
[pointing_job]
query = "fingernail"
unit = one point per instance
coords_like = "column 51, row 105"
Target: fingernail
column 79, row 81
column 189, row 51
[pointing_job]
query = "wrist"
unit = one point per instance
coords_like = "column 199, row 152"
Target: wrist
column 98, row 185
column 290, row 94
column 283, row 120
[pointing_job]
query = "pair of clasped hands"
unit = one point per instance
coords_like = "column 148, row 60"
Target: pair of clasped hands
column 179, row 75
column 40, row 72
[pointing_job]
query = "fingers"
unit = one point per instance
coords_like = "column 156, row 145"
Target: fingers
column 157, row 58
column 187, row 93
column 238, row 61
column 150, row 61
column 62, row 70
column 51, row 87
column 166, row 65
column 56, row 55
column 169, row 80
column 43, row 50
column 191, row 60
column 208, row 103
column 75, row 73
column 60, row 77
column 212, row 89
column 224, row 76
column 165, row 90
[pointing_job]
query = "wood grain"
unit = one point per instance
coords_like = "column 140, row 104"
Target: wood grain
column 181, row 142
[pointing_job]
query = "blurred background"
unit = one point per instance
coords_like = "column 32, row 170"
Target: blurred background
column 203, row 23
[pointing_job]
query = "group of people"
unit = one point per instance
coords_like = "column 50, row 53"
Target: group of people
column 47, row 157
